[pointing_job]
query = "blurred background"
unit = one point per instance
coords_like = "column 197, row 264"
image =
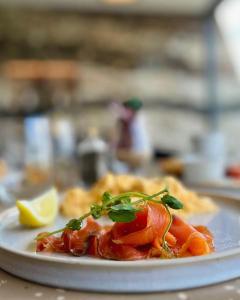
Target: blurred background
column 143, row 86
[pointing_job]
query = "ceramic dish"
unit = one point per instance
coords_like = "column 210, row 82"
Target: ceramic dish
column 18, row 257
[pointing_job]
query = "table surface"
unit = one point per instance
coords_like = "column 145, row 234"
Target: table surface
column 13, row 288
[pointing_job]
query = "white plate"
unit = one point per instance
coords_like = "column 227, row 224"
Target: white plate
column 17, row 256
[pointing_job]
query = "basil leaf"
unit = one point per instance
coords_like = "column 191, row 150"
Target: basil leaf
column 96, row 211
column 122, row 216
column 74, row 224
column 172, row 202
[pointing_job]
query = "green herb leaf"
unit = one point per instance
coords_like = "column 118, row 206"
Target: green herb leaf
column 106, row 198
column 74, row 224
column 122, row 215
column 125, row 199
column 172, row 202
column 124, row 207
column 96, row 211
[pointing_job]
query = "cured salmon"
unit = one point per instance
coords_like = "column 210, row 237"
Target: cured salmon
column 191, row 240
column 148, row 235
column 71, row 241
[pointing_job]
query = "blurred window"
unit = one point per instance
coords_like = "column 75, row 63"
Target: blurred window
column 228, row 17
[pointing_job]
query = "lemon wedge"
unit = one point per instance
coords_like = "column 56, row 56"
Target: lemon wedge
column 40, row 211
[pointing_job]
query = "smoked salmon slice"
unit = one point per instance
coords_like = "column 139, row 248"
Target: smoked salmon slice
column 76, row 241
column 137, row 239
column 149, row 224
column 110, row 250
column 141, row 238
column 71, row 241
column 195, row 240
column 50, row 244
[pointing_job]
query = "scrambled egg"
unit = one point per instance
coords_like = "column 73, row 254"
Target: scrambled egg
column 77, row 200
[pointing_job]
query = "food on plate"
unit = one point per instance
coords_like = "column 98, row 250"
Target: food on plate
column 142, row 227
column 40, row 211
column 77, row 200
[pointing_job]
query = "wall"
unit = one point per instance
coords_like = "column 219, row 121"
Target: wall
column 160, row 60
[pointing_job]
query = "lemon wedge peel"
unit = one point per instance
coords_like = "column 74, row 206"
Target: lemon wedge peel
column 40, row 211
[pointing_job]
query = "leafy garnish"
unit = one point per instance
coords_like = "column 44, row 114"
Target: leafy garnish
column 74, row 224
column 123, row 208
column 96, row 211
column 106, row 198
column 121, row 216
column 172, row 202
column 124, row 212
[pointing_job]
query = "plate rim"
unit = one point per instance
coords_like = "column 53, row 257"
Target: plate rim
column 94, row 262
